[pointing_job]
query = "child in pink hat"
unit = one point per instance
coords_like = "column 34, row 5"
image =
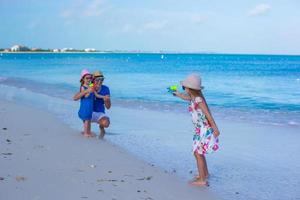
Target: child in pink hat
column 86, row 96
column 205, row 138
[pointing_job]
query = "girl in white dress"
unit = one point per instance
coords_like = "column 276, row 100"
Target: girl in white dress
column 205, row 136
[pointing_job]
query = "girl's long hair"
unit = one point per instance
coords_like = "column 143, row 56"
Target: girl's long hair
column 198, row 93
column 82, row 81
column 195, row 93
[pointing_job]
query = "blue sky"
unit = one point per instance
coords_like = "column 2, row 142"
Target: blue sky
column 231, row 26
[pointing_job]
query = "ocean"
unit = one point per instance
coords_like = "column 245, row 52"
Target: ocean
column 264, row 87
column 149, row 122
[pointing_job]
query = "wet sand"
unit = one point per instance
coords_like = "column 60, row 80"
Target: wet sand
column 42, row 158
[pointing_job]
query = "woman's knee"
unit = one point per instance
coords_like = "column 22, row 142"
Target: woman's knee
column 104, row 122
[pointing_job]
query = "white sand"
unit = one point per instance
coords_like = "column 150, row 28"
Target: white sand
column 42, row 158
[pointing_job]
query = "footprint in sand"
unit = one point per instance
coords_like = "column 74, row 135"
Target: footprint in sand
column 20, row 178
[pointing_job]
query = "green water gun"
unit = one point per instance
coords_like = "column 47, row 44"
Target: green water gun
column 91, row 85
column 172, row 88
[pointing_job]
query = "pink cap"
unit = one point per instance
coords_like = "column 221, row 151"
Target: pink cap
column 84, row 72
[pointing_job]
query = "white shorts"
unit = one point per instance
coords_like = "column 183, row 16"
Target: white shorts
column 96, row 116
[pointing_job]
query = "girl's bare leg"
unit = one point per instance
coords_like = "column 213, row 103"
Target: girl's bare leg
column 197, row 176
column 201, row 181
column 87, row 128
column 206, row 173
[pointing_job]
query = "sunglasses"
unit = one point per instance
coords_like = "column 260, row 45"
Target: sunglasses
column 183, row 87
column 88, row 78
column 99, row 79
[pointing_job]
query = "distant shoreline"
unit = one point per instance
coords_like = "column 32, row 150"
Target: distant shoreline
column 145, row 52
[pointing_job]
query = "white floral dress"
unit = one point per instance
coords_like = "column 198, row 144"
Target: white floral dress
column 203, row 140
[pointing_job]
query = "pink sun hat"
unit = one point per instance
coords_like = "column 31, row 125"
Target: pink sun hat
column 83, row 73
column 192, row 81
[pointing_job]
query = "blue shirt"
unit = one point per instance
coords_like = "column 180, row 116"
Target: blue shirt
column 99, row 103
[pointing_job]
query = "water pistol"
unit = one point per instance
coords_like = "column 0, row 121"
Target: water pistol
column 91, row 85
column 172, row 88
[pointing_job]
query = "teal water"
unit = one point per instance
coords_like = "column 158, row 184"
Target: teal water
column 266, row 85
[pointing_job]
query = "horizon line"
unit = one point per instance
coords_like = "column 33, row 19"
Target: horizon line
column 147, row 52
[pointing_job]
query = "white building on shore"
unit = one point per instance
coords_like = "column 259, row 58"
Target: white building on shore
column 89, row 50
column 19, row 48
column 66, row 49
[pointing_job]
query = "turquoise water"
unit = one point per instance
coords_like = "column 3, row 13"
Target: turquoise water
column 266, row 85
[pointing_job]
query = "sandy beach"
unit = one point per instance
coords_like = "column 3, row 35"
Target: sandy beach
column 42, row 158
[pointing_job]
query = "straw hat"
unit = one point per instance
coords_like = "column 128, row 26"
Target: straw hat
column 192, row 81
column 83, row 73
column 98, row 74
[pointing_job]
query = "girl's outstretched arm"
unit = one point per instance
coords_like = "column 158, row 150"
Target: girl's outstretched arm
column 182, row 96
column 203, row 106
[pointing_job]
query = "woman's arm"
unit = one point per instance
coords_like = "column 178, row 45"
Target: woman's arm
column 107, row 101
column 203, row 106
column 105, row 98
column 99, row 96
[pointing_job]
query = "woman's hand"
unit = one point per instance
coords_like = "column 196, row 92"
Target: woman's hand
column 96, row 94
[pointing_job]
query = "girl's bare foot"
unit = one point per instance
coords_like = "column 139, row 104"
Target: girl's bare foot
column 199, row 183
column 87, row 135
column 92, row 134
column 198, row 177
